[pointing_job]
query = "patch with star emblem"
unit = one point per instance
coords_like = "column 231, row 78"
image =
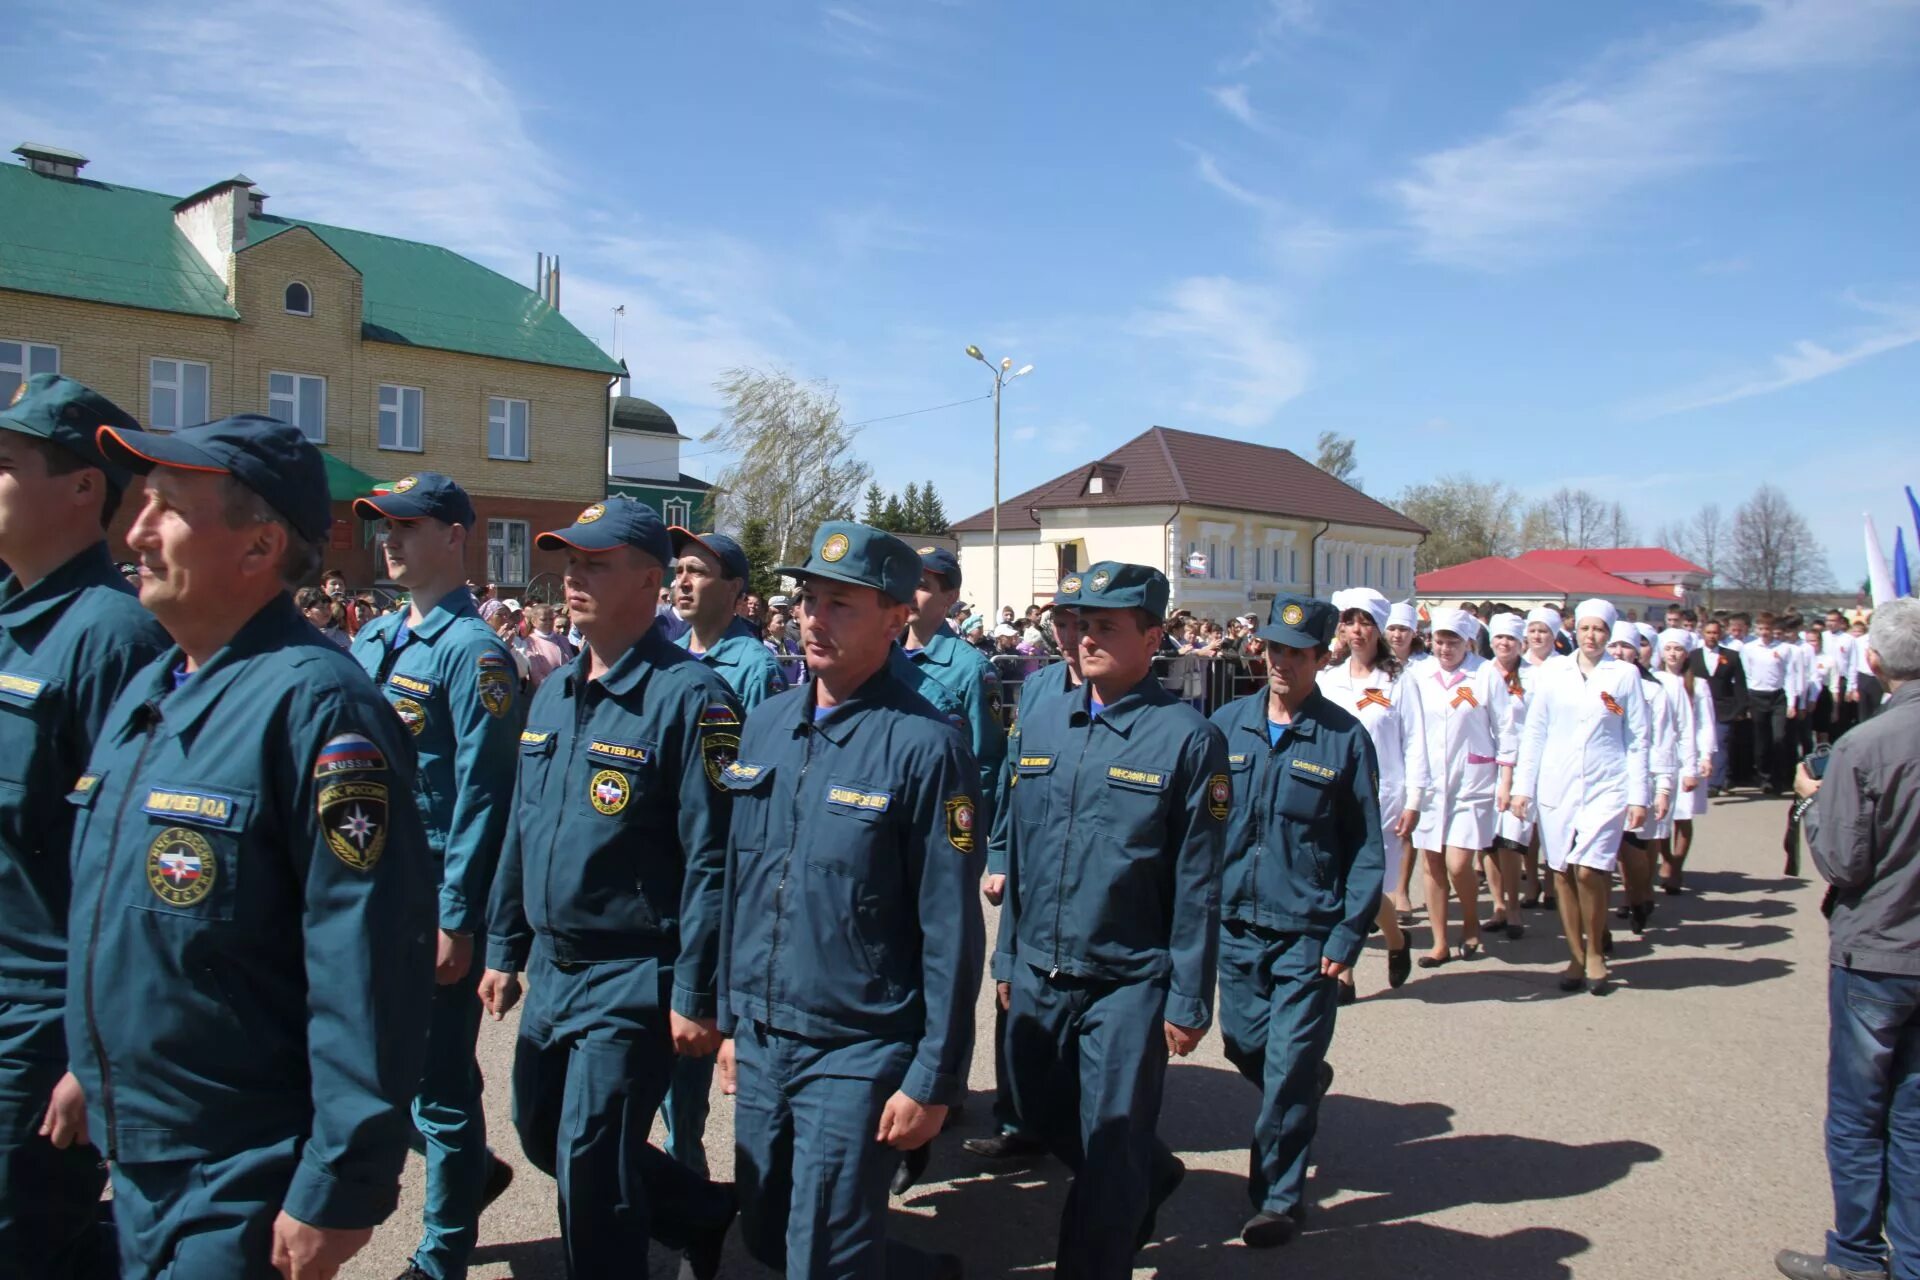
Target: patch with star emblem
column 610, row 791
column 181, row 867
column 1219, row 797
column 960, row 814
column 411, row 714
column 1293, row 615
column 718, row 751
column 496, row 682
column 353, row 817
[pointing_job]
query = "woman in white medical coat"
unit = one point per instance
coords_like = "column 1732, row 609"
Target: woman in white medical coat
column 1543, row 630
column 1582, row 772
column 1403, row 638
column 1511, row 834
column 1698, row 741
column 1461, row 701
column 1371, row 685
column 1640, row 846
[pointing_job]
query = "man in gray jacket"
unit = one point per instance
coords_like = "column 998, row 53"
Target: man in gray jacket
column 1863, row 831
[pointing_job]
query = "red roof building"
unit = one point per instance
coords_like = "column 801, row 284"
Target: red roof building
column 1529, row 581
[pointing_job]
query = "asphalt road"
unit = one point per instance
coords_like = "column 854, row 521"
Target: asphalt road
column 1482, row 1124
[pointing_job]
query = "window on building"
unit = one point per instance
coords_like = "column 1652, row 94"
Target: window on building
column 1402, row 572
column 1293, row 566
column 507, row 428
column 1233, row 563
column 20, row 361
column 300, row 399
column 299, row 300
column 676, row 511
column 402, row 412
column 1366, row 571
column 1259, row 560
column 176, row 393
column 1349, row 569
column 507, row 552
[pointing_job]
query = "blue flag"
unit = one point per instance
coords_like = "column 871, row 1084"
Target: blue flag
column 1902, row 577
column 1913, row 504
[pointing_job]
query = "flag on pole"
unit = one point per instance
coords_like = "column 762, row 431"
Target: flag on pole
column 1913, row 504
column 1902, row 577
column 1879, row 576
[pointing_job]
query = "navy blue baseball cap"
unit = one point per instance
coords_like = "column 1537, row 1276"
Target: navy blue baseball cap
column 424, row 495
column 1113, row 585
column 733, row 561
column 939, row 560
column 1300, row 622
column 620, row 521
column 862, row 556
column 68, row 414
column 268, row 456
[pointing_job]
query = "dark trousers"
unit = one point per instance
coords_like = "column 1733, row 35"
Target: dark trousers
column 589, row 1070
column 1772, row 738
column 1089, row 1063
column 49, row 1199
column 1873, row 1120
column 1276, row 1017
column 1871, row 693
column 1723, row 754
column 452, row 1124
column 207, row 1218
column 1739, row 749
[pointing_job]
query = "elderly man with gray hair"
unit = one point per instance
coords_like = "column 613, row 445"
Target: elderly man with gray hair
column 1863, row 830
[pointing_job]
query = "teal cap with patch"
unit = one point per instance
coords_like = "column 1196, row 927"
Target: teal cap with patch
column 69, row 415
column 843, row 551
column 1300, row 622
column 1113, row 585
column 619, row 521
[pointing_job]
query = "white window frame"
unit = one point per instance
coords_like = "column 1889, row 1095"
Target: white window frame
column 676, row 511
column 381, row 409
column 500, row 410
column 275, row 401
column 1293, row 565
column 25, row 369
column 177, row 385
column 500, row 550
column 283, row 298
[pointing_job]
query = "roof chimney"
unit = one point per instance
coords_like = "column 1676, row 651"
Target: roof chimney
column 214, row 221
column 256, row 201
column 51, row 161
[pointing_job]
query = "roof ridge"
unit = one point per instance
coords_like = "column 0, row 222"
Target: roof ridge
column 1159, row 434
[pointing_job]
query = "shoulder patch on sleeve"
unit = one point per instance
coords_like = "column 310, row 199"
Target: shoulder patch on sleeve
column 348, row 753
column 720, row 715
column 1219, row 797
column 960, row 815
column 353, row 818
column 496, row 681
column 718, row 753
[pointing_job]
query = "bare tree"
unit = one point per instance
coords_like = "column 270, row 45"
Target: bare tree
column 1772, row 552
column 1706, row 543
column 1468, row 518
column 1336, row 457
column 1579, row 518
column 793, row 465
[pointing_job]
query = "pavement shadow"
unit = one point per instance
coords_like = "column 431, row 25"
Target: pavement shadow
column 1395, row 1251
column 526, row 1259
column 1732, row 882
column 1678, row 973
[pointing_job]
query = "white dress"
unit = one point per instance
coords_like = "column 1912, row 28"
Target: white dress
column 1583, row 760
column 1465, row 734
column 1698, row 741
column 1506, row 826
column 1389, row 707
column 1663, row 756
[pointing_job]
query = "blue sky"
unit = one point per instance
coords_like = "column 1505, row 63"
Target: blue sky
column 1660, row 249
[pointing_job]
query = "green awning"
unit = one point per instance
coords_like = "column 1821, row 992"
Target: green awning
column 344, row 482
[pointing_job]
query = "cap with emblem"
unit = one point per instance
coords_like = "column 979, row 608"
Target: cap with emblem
column 424, row 495
column 68, row 414
column 1300, row 622
column 1067, row 596
column 620, row 521
column 1113, row 585
column 733, row 561
column 939, row 560
column 268, row 456
column 843, row 551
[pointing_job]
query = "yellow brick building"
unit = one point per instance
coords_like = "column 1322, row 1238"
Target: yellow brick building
column 392, row 355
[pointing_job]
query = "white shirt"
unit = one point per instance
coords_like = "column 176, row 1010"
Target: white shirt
column 1390, row 710
column 1587, row 740
column 1767, row 665
column 1838, row 647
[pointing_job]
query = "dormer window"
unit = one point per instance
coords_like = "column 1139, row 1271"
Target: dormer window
column 1097, row 484
column 299, row 300
column 1103, row 480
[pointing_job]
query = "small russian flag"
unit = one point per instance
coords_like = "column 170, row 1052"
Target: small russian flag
column 348, row 753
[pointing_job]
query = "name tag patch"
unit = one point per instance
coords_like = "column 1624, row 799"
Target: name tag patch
column 407, row 684
column 1035, row 764
column 867, row 801
column 20, row 688
column 87, row 782
column 528, row 738
column 631, row 753
column 200, row 806
column 1136, row 777
column 1314, row 770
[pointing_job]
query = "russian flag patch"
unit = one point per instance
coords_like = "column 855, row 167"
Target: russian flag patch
column 348, row 753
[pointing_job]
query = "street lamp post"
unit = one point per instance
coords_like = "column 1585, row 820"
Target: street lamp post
column 1000, row 379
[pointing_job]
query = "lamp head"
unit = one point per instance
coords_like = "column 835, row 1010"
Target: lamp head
column 975, row 353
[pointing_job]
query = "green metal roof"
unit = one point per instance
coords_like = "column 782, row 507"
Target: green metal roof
column 346, row 482
column 79, row 239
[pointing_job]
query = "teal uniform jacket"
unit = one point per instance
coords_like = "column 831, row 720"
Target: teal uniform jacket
column 454, row 687
column 618, row 838
column 852, row 910
column 968, row 675
column 1048, row 681
column 68, row 645
column 1113, row 865
column 1304, row 848
column 743, row 660
column 251, row 925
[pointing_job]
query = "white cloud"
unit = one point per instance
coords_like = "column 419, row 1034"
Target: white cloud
column 1232, row 99
column 1280, row 20
column 1636, row 117
column 1235, row 363
column 1295, row 242
column 1805, row 361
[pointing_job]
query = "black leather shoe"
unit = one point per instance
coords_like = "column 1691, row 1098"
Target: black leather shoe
column 912, row 1165
column 1348, row 994
column 1168, row 1176
column 1003, row 1146
column 1326, row 1077
column 1809, row 1266
column 1399, row 965
column 945, row 1266
column 499, row 1178
column 701, row 1261
column 1268, row 1230
column 413, row 1273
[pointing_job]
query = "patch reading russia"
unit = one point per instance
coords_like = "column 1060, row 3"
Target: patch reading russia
column 610, row 791
column 201, row 806
column 353, row 815
column 960, row 816
column 719, row 713
column 348, row 753
column 181, row 867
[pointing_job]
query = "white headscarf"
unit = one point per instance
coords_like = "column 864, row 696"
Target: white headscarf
column 1680, row 636
column 1649, row 634
column 1549, row 616
column 1403, row 614
column 1458, row 621
column 1367, row 599
column 1625, row 633
column 1597, row 608
column 1508, row 624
